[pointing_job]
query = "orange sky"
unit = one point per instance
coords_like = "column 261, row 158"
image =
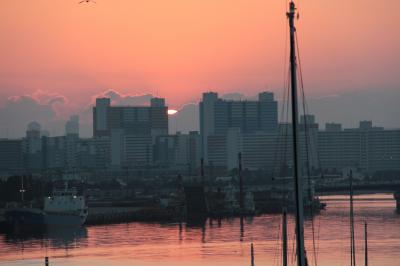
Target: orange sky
column 179, row 48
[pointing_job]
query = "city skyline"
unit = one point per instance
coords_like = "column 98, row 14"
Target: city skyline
column 137, row 137
column 348, row 109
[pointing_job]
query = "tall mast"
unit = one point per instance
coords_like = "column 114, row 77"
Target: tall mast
column 241, row 198
column 22, row 190
column 202, row 170
column 301, row 261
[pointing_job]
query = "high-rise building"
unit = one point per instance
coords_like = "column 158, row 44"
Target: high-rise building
column 218, row 116
column 32, row 147
column 11, row 156
column 207, row 120
column 72, row 126
column 131, row 130
column 54, row 152
column 96, row 151
column 367, row 148
column 178, row 151
column 333, row 127
column 138, row 151
column 133, row 120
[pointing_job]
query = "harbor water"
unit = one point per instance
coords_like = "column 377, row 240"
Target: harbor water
column 217, row 242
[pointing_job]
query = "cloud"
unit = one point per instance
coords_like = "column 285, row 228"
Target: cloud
column 18, row 111
column 118, row 98
column 58, row 99
column 50, row 98
column 233, row 96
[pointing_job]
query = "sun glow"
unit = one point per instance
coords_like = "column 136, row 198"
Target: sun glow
column 172, row 111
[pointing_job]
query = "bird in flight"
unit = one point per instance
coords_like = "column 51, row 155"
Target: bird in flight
column 86, row 1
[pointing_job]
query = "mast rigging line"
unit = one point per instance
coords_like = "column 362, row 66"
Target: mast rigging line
column 307, row 144
column 305, row 104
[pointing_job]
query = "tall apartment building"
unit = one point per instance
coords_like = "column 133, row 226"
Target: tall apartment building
column 133, row 120
column 32, row 147
column 11, row 156
column 178, row 151
column 72, row 126
column 131, row 129
column 267, row 150
column 223, row 149
column 271, row 150
column 138, row 151
column 368, row 148
column 218, row 116
column 54, row 152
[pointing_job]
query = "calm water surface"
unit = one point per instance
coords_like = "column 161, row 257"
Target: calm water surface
column 224, row 243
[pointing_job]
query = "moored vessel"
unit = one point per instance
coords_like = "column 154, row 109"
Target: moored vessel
column 63, row 208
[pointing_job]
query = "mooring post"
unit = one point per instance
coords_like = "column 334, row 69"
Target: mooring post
column 252, row 254
column 366, row 243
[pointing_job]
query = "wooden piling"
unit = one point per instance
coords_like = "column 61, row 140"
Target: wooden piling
column 252, row 254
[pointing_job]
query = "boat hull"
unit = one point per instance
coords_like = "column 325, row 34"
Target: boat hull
column 40, row 218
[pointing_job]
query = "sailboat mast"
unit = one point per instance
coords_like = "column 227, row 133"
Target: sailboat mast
column 241, row 196
column 202, row 170
column 22, row 190
column 301, row 261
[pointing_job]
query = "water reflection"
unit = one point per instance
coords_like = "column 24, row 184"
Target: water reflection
column 53, row 237
column 219, row 241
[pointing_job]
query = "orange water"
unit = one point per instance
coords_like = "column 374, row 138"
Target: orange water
column 217, row 243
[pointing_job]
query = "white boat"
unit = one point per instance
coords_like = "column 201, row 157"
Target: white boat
column 63, row 208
